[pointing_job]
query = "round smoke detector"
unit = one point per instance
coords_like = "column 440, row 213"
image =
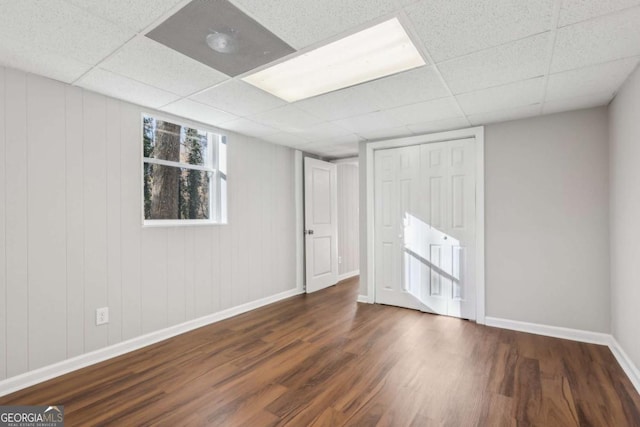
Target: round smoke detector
column 222, row 42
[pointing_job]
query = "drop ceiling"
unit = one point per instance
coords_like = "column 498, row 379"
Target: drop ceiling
column 487, row 61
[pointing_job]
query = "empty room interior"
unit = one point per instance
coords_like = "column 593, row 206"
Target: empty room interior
column 320, row 212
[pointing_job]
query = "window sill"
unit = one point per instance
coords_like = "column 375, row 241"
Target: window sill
column 179, row 223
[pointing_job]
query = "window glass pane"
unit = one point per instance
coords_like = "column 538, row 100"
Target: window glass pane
column 195, row 147
column 169, row 141
column 176, row 193
column 195, row 202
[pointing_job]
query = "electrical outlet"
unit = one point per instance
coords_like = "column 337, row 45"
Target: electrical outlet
column 102, row 315
column 339, row 260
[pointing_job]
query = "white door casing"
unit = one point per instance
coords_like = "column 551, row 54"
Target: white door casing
column 321, row 224
column 425, row 223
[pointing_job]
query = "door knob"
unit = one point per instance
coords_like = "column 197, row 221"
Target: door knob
column 308, row 232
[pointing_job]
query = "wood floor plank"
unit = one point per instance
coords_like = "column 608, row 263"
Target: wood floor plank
column 325, row 360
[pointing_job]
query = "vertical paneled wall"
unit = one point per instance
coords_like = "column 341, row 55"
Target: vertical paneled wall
column 71, row 236
column 348, row 220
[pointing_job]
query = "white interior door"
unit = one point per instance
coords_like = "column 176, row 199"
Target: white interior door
column 321, row 224
column 425, row 227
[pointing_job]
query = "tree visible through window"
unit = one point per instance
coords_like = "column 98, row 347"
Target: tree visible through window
column 184, row 174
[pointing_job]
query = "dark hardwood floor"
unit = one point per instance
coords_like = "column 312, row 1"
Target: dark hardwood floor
column 325, row 360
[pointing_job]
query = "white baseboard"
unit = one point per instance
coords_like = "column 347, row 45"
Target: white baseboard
column 550, row 331
column 623, row 359
column 36, row 376
column 625, row 362
column 363, row 298
column 349, row 275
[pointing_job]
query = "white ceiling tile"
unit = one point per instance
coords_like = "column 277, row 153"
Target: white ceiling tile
column 396, row 132
column 340, row 104
column 452, row 28
column 345, row 153
column 369, row 122
column 518, row 60
column 517, row 94
column 286, row 119
column 596, row 79
column 439, row 109
column 239, row 98
column 506, row 115
column 152, row 63
column 61, row 28
column 331, row 150
column 248, row 127
column 285, row 138
column 325, row 145
column 199, row 112
column 403, row 3
column 599, row 40
column 134, row 14
column 296, row 142
column 577, row 103
column 339, row 151
column 17, row 55
column 307, row 148
column 439, row 125
column 350, row 138
column 573, row 11
column 409, row 87
column 302, row 24
column 117, row 86
column 322, row 131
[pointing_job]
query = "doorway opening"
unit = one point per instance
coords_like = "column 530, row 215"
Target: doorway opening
column 331, row 222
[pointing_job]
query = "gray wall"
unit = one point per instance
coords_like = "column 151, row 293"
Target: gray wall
column 624, row 127
column 547, row 249
column 71, row 238
column 348, row 203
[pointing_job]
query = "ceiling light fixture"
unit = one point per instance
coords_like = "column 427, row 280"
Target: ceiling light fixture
column 222, row 42
column 375, row 52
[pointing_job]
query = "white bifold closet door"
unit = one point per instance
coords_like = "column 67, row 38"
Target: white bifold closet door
column 425, row 227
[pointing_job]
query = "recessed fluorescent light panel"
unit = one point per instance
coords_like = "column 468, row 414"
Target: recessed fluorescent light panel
column 376, row 52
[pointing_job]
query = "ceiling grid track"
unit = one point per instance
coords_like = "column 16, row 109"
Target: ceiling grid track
column 425, row 51
column 551, row 50
column 140, row 33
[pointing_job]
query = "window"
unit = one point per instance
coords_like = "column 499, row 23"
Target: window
column 185, row 174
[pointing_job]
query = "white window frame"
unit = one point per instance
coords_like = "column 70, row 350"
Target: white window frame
column 217, row 205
